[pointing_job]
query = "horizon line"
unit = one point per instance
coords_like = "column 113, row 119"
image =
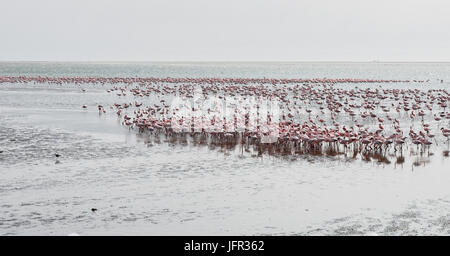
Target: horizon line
column 218, row 61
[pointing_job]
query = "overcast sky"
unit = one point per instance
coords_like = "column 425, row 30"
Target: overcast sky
column 225, row 30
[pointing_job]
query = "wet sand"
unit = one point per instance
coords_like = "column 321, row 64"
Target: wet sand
column 192, row 190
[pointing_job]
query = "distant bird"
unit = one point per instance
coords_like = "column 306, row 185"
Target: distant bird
column 94, row 209
column 57, row 155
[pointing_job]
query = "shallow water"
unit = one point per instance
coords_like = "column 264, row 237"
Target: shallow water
column 192, row 190
column 367, row 70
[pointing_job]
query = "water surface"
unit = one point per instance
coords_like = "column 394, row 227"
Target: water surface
column 191, row 190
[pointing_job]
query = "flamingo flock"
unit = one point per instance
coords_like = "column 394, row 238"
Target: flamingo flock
column 172, row 80
column 314, row 116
